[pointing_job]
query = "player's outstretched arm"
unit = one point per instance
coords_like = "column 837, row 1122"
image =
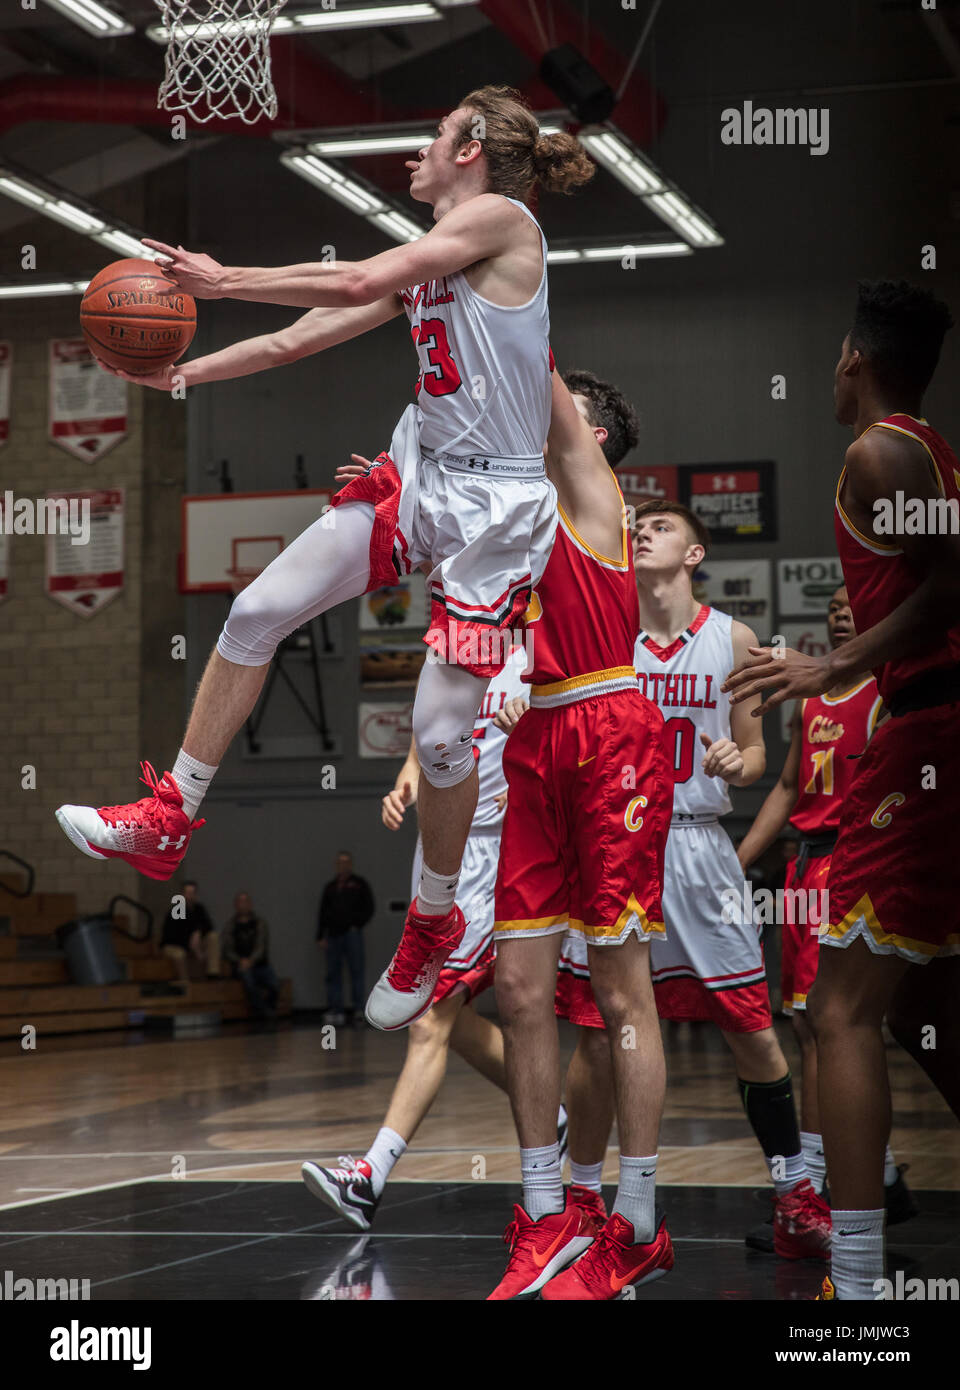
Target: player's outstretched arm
column 472, row 231
column 311, row 333
column 579, row 471
column 880, row 465
column 778, row 807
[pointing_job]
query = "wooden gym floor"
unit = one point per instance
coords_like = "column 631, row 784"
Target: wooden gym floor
column 167, row 1150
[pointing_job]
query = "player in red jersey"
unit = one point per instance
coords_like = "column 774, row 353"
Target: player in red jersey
column 892, row 889
column 590, row 796
column 828, row 735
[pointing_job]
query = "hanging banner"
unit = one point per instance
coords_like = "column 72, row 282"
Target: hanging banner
column 742, row 588
column 384, row 730
column 85, row 552
column 6, row 363
column 88, row 407
column 807, row 586
column 735, row 501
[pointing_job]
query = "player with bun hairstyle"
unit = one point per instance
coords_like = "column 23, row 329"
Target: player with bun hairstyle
column 462, row 493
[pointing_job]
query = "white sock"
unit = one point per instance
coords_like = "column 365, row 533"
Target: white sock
column 192, row 778
column 793, row 1168
column 542, row 1183
column 382, row 1155
column 436, row 892
column 811, row 1146
column 856, row 1252
column 635, row 1196
column 890, row 1173
column 586, row 1175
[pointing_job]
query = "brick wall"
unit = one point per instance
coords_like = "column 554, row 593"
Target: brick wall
column 71, row 693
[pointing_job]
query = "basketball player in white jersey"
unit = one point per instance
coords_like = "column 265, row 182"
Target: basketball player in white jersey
column 462, row 493
column 710, row 966
column 355, row 1188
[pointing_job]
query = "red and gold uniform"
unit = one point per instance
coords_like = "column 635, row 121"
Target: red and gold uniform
column 891, row 877
column 590, row 787
column 835, row 731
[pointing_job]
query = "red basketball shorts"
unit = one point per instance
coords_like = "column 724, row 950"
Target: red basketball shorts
column 800, row 947
column 892, row 876
column 589, row 806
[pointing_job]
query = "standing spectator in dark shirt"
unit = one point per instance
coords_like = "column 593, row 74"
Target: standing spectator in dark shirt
column 345, row 909
column 246, row 939
column 188, row 931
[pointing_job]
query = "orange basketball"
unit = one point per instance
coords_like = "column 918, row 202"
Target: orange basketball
column 134, row 319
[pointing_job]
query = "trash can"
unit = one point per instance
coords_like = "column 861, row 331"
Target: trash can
column 87, row 944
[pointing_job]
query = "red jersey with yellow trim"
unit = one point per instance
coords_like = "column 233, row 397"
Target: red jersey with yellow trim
column 836, row 730
column 578, row 584
column 878, row 577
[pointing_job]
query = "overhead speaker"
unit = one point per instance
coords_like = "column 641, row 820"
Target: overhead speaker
column 578, row 84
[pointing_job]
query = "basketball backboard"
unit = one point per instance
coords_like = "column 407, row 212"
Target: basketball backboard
column 224, row 533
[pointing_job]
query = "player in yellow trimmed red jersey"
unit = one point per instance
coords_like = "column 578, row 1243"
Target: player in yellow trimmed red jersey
column 829, row 733
column 892, row 879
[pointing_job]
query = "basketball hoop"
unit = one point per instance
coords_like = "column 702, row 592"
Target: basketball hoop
column 240, row 576
column 218, row 58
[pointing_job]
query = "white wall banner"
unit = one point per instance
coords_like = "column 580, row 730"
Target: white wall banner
column 806, row 586
column 88, row 407
column 384, row 730
column 85, row 566
column 742, row 588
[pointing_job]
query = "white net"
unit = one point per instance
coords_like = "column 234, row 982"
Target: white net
column 218, row 58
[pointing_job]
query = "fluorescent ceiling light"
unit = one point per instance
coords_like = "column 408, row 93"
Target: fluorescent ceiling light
column 614, row 151
column 50, row 202
column 354, row 144
column 356, row 194
column 48, row 288
column 364, row 16
column 567, row 255
column 93, row 17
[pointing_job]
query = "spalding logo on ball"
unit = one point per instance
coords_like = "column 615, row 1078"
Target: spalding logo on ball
column 135, row 320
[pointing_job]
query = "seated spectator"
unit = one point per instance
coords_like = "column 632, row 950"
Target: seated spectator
column 245, row 945
column 189, row 933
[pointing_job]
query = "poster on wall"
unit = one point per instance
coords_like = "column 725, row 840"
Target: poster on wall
column 384, row 730
column 6, row 365
column 742, row 588
column 807, row 586
column 85, row 554
column 735, row 501
column 811, row 639
column 88, row 408
column 392, row 623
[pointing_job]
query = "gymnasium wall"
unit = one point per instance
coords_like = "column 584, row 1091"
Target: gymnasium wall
column 79, row 695
column 694, row 342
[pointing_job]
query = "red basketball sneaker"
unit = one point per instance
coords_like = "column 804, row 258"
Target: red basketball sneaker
column 405, row 989
column 591, row 1204
column 540, row 1249
column 801, row 1224
column 152, row 835
column 613, row 1263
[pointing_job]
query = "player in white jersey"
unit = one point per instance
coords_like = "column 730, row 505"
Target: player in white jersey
column 462, row 493
column 354, row 1189
column 710, row 966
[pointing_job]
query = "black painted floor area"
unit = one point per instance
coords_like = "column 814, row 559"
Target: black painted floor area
column 273, row 1241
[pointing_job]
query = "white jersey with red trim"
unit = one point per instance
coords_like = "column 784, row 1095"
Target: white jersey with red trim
column 489, row 742
column 684, row 680
column 484, row 384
